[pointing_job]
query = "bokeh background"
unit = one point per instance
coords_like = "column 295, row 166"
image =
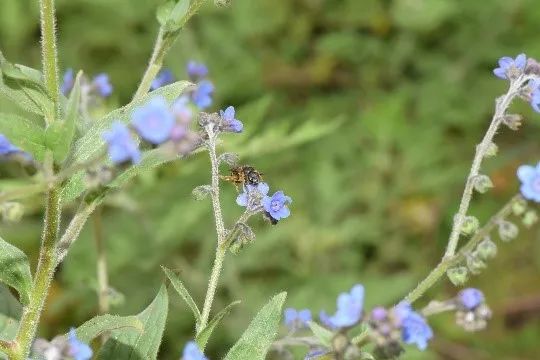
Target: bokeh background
column 366, row 112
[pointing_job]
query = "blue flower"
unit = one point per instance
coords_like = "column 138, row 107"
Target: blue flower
column 153, row 121
column 202, row 96
column 196, row 71
column 252, row 192
column 77, row 349
column 508, row 67
column 414, row 328
column 165, row 77
column 182, row 111
column 276, row 205
column 530, row 181
column 470, row 298
column 230, row 123
column 534, row 87
column 102, row 85
column 349, row 309
column 315, row 354
column 295, row 319
column 122, row 147
column 192, row 352
column 6, row 147
column 67, row 82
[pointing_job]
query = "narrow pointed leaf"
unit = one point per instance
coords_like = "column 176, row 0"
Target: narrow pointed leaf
column 130, row 344
column 184, row 293
column 204, row 335
column 256, row 340
column 15, row 270
column 106, row 323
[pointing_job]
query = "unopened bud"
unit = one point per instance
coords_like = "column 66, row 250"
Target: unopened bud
column 12, row 211
column 519, row 206
column 487, row 249
column 513, row 121
column 458, row 275
column 492, row 150
column 340, row 343
column 530, row 218
column 475, row 264
column 482, row 183
column 470, row 225
column 508, row 230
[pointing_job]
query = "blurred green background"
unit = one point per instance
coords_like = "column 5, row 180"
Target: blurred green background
column 366, row 112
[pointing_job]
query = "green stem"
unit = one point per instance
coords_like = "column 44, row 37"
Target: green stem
column 48, row 49
column 43, row 277
column 102, row 276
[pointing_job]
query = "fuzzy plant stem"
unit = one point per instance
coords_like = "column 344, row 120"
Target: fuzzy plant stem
column 501, row 106
column 101, row 266
column 48, row 49
column 42, row 279
column 221, row 246
column 447, row 263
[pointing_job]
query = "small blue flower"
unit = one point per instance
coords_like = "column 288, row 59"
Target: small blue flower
column 295, row 319
column 102, row 85
column 276, row 205
column 192, row 352
column 202, row 96
column 6, row 147
column 315, row 354
column 251, row 192
column 182, row 111
column 508, row 66
column 67, row 82
column 196, row 71
column 165, row 77
column 77, row 349
column 530, row 181
column 230, row 123
column 534, row 87
column 349, row 309
column 122, row 147
column 153, row 121
column 470, row 298
column 414, row 328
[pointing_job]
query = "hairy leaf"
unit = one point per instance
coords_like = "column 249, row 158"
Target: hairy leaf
column 106, row 323
column 23, row 134
column 204, row 334
column 15, row 270
column 10, row 313
column 184, row 293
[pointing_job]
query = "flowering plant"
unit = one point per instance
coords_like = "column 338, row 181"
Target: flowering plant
column 82, row 160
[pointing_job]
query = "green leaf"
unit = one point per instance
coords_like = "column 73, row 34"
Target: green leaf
column 184, row 293
column 130, row 344
column 91, row 144
column 10, row 313
column 256, row 340
column 23, row 134
column 59, row 135
column 173, row 15
column 15, row 270
column 204, row 335
column 106, row 323
column 324, row 335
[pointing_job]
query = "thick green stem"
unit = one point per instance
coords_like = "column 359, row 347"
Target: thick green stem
column 48, row 50
column 42, row 279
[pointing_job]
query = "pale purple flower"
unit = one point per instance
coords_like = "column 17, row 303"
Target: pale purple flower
column 182, row 111
column 102, row 85
column 202, row 95
column 414, row 328
column 165, row 77
column 276, row 205
column 230, row 123
column 508, row 67
column 196, row 70
column 121, row 146
column 6, row 147
column 470, row 298
column 251, row 193
column 77, row 349
column 530, row 181
column 349, row 309
column 192, row 352
column 153, row 121
column 68, row 81
column 295, row 319
column 534, row 87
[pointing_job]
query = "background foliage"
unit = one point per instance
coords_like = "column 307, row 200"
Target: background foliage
column 365, row 112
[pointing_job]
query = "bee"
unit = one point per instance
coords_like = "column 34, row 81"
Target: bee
column 244, row 175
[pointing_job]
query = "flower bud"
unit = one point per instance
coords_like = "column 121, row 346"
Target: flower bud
column 487, row 249
column 470, row 225
column 482, row 183
column 508, row 230
column 12, row 211
column 519, row 206
column 530, row 218
column 340, row 343
column 492, row 150
column 201, row 192
column 475, row 263
column 458, row 275
column 513, row 121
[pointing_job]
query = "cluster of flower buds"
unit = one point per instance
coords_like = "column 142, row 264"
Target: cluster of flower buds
column 472, row 312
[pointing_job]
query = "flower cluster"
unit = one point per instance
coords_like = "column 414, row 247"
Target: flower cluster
column 472, row 312
column 296, row 319
column 62, row 348
column 99, row 85
column 202, row 95
column 255, row 198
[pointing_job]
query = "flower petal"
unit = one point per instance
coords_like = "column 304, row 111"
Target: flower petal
column 525, row 173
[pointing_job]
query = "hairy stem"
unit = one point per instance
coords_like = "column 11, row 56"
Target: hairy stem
column 221, row 247
column 43, row 277
column 48, row 50
column 501, row 106
column 102, row 275
column 447, row 263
